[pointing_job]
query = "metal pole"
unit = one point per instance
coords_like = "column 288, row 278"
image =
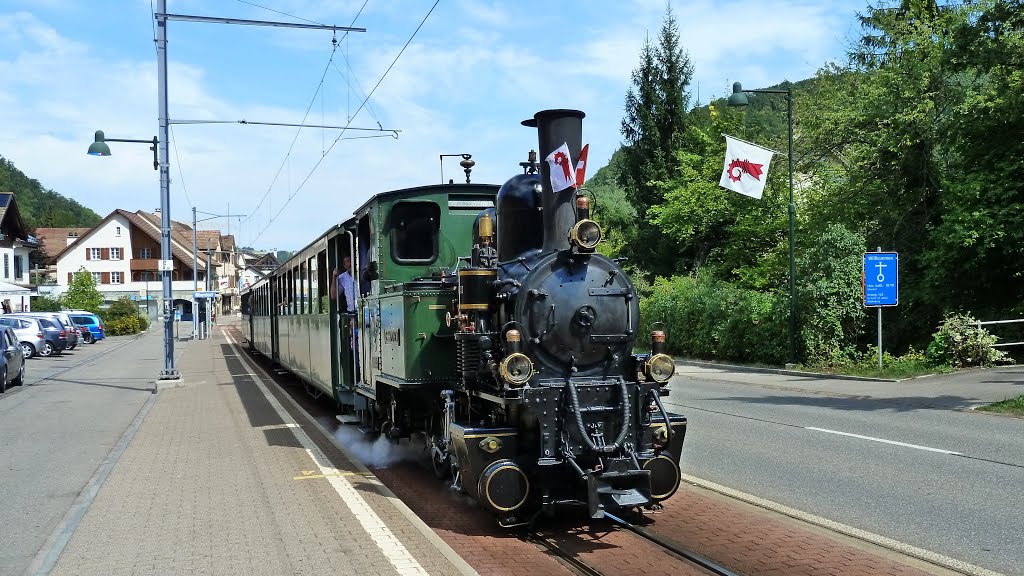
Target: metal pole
column 169, row 372
column 792, row 220
column 879, row 331
column 195, row 279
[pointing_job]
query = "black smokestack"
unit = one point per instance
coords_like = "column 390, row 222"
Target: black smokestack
column 554, row 128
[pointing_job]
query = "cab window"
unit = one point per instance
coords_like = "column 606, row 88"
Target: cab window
column 414, row 227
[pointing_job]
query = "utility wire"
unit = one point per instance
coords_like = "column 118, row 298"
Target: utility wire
column 281, row 13
column 308, row 108
column 356, row 113
column 174, row 142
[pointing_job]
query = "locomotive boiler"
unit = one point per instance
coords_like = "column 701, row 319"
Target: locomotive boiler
column 552, row 404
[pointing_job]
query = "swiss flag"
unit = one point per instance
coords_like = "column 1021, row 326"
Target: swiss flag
column 581, row 167
column 560, row 165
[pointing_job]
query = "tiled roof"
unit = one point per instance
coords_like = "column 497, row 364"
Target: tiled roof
column 181, row 245
column 54, row 240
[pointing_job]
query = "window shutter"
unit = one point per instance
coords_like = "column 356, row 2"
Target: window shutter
column 88, row 253
column 105, row 253
column 70, row 277
column 105, row 278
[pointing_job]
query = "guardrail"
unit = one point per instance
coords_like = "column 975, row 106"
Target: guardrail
column 980, row 324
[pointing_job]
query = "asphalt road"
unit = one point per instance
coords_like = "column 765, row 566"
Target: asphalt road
column 59, row 428
column 908, row 461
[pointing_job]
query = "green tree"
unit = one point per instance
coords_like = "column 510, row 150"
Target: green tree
column 42, row 207
column 916, row 143
column 832, row 312
column 82, row 293
column 653, row 127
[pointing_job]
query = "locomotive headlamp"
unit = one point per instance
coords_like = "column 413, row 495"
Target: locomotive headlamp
column 585, row 234
column 660, row 368
column 516, row 369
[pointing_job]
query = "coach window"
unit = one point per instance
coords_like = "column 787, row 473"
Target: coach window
column 414, row 227
column 303, row 289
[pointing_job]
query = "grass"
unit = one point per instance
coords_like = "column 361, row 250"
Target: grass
column 1013, row 406
column 892, row 372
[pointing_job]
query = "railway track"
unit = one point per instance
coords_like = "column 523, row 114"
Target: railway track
column 566, row 551
column 576, row 563
column 671, row 548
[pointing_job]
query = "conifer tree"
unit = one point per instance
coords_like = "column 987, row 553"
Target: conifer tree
column 653, row 127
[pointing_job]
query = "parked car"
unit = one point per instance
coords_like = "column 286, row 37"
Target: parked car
column 29, row 332
column 12, row 360
column 55, row 334
column 62, row 319
column 91, row 323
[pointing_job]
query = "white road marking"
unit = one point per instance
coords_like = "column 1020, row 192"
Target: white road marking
column 884, row 441
column 389, row 544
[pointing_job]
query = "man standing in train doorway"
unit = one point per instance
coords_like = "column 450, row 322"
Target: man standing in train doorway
column 343, row 289
column 344, row 285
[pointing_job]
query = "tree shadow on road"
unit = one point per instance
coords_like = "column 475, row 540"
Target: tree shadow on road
column 863, row 404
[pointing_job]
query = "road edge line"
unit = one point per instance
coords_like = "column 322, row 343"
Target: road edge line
column 443, row 547
column 47, row 556
column 870, row 537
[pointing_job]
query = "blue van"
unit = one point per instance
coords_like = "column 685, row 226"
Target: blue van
column 91, row 323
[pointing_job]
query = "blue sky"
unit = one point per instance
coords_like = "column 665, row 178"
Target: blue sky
column 471, row 74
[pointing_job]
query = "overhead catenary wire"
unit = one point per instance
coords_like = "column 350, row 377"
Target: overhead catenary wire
column 306, row 115
column 281, row 13
column 177, row 160
column 354, row 114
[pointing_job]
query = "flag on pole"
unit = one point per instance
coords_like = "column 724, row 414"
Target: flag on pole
column 581, row 167
column 746, row 167
column 560, row 165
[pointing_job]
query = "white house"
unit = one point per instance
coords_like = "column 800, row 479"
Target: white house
column 15, row 245
column 122, row 253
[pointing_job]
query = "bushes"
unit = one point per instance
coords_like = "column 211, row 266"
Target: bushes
column 123, row 318
column 961, row 343
column 708, row 318
column 829, row 294
column 45, row 304
column 123, row 326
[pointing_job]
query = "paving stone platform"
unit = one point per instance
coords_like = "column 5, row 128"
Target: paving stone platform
column 226, row 476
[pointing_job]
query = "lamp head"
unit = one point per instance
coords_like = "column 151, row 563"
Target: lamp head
column 738, row 98
column 99, row 146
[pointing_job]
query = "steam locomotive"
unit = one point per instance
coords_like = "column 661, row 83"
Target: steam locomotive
column 486, row 321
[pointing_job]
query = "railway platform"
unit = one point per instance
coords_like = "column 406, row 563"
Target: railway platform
column 225, row 475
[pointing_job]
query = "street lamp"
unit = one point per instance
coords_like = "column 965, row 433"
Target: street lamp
column 739, row 99
column 99, row 148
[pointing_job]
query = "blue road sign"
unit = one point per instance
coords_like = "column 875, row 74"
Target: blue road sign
column 201, row 295
column 881, row 279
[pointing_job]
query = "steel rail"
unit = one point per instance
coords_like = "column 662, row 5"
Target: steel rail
column 672, row 548
column 575, row 563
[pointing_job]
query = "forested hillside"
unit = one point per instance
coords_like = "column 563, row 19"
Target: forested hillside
column 41, row 207
column 912, row 145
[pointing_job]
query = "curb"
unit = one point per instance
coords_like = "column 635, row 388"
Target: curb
column 740, row 368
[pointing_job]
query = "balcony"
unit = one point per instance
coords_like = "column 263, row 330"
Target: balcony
column 145, row 264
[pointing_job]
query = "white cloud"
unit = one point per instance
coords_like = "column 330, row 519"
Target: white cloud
column 474, row 71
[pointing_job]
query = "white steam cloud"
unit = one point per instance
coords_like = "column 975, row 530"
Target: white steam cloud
column 378, row 452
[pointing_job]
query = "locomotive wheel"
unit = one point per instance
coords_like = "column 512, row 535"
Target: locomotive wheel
column 385, row 428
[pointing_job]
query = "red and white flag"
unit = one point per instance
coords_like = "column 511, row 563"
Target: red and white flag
column 560, row 164
column 746, row 167
column 581, row 167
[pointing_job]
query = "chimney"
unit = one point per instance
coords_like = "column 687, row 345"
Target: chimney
column 554, row 128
